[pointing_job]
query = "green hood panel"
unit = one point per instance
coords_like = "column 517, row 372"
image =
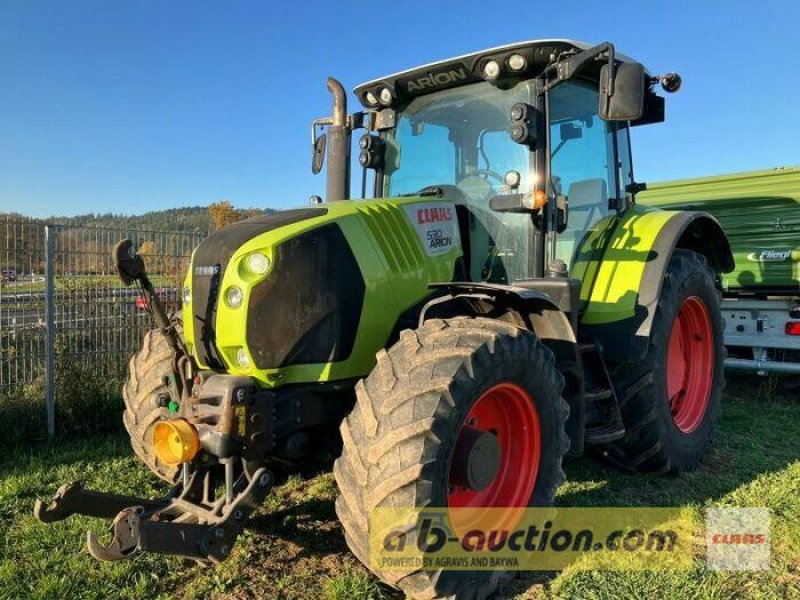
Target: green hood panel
column 399, row 245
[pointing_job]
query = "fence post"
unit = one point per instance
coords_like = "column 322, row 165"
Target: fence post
column 50, row 326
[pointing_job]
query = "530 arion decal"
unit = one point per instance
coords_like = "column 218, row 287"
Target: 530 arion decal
column 436, row 225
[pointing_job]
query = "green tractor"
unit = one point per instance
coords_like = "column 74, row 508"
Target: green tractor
column 501, row 301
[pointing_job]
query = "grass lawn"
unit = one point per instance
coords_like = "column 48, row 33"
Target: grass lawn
column 293, row 547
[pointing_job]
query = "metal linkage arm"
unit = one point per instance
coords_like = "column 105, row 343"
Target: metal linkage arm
column 187, row 522
column 210, row 540
column 72, row 499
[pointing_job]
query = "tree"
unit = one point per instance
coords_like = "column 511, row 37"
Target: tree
column 153, row 258
column 222, row 214
column 148, row 248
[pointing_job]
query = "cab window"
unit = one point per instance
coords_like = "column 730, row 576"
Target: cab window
column 582, row 161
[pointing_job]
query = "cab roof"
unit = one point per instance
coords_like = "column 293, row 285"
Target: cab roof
column 461, row 70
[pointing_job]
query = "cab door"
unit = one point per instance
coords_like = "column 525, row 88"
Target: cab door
column 586, row 163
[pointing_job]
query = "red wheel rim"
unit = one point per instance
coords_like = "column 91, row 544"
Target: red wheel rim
column 507, row 411
column 690, row 364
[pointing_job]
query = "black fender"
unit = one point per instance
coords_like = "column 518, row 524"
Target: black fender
column 529, row 309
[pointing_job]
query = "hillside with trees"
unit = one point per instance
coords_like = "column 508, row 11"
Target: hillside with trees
column 191, row 219
column 85, row 241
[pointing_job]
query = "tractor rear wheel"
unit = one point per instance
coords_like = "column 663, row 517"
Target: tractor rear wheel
column 671, row 400
column 145, row 382
column 459, row 413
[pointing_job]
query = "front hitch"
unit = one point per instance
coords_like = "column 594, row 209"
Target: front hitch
column 189, row 522
column 221, row 434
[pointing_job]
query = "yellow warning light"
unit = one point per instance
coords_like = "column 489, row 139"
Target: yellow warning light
column 175, row 441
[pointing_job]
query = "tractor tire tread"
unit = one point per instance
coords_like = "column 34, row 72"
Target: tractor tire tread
column 145, row 381
column 390, row 438
column 644, row 447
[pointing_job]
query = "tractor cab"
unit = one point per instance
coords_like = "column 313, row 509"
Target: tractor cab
column 458, row 141
column 530, row 142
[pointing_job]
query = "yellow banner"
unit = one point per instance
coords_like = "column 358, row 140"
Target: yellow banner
column 530, row 539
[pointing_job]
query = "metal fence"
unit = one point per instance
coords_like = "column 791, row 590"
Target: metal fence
column 64, row 315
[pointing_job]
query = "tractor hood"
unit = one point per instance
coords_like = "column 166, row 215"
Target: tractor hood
column 330, row 285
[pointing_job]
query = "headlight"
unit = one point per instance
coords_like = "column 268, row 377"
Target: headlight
column 257, row 263
column 517, row 62
column 512, row 179
column 491, row 70
column 234, row 297
column 385, row 96
column 187, row 295
column 242, row 358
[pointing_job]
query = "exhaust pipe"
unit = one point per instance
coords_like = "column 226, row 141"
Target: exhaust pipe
column 338, row 183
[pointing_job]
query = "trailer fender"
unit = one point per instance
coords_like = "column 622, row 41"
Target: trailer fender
column 622, row 265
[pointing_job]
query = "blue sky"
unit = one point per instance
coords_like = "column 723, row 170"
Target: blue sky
column 134, row 106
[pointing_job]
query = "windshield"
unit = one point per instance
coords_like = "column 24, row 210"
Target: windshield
column 458, row 141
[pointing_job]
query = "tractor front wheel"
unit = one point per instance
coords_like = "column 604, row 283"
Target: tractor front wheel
column 459, row 413
column 145, row 382
column 670, row 401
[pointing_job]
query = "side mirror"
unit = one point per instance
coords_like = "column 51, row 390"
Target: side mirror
column 318, row 154
column 627, row 86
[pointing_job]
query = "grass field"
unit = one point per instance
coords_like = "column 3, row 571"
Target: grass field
column 293, row 547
